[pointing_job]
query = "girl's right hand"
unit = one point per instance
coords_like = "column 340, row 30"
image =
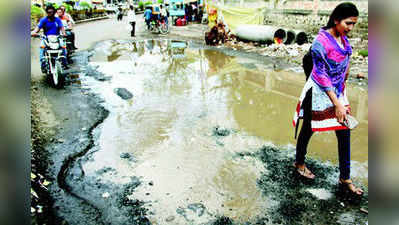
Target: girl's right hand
column 340, row 113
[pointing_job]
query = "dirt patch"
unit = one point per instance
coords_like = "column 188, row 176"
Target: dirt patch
column 41, row 133
column 296, row 205
column 293, row 203
column 134, row 208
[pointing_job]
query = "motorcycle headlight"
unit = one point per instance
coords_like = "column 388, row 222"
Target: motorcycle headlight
column 52, row 38
column 54, row 45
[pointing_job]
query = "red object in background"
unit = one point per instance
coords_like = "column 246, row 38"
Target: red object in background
column 278, row 40
column 178, row 22
column 181, row 22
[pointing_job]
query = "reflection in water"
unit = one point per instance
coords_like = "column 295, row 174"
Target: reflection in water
column 180, row 95
column 262, row 102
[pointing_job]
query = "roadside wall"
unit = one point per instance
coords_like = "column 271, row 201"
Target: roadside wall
column 310, row 16
column 327, row 5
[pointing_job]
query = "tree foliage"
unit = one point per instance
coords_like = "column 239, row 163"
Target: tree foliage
column 141, row 6
column 37, row 12
column 85, row 5
column 68, row 7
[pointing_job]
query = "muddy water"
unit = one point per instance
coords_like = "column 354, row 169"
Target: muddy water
column 167, row 134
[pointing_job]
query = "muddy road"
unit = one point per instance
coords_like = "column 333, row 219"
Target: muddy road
column 163, row 130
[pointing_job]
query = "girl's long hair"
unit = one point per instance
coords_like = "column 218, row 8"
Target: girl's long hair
column 342, row 11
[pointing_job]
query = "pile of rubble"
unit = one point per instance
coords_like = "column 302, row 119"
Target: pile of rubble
column 218, row 34
column 294, row 53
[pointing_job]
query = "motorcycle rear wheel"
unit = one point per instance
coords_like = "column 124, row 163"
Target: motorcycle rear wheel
column 163, row 29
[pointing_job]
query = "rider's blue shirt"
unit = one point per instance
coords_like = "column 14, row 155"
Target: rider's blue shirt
column 147, row 14
column 50, row 27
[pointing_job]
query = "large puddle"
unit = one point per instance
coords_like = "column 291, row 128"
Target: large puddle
column 192, row 110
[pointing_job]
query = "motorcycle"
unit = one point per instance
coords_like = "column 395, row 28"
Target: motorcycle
column 53, row 58
column 68, row 40
column 159, row 26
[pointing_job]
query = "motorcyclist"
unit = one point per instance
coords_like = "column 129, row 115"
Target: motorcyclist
column 51, row 26
column 164, row 15
column 64, row 16
column 147, row 16
column 156, row 13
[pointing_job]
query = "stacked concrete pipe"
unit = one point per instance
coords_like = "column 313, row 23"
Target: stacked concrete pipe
column 295, row 36
column 260, row 33
column 291, row 36
column 301, row 37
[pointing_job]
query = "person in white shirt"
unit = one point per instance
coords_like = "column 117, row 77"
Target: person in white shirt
column 131, row 16
column 164, row 14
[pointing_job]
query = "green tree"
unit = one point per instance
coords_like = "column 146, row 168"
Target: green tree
column 85, row 5
column 141, row 6
column 36, row 12
column 68, row 7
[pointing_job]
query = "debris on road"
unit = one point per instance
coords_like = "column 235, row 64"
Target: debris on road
column 123, row 93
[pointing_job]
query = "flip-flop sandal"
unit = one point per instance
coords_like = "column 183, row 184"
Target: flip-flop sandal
column 305, row 172
column 355, row 190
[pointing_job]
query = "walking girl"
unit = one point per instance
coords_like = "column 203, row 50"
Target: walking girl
column 323, row 104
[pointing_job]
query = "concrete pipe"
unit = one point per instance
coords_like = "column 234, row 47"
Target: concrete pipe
column 291, row 35
column 260, row 33
column 300, row 37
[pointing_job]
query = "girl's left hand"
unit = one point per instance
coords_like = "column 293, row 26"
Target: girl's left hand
column 340, row 113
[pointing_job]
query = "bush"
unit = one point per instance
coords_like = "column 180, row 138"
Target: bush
column 160, row 1
column 148, row 3
column 85, row 5
column 364, row 52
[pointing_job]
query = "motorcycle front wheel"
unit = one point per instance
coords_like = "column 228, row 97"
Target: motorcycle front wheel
column 56, row 75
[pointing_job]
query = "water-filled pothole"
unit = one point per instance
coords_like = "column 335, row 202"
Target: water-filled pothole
column 186, row 114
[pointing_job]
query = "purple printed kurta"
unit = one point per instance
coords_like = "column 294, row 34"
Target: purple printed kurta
column 330, row 66
column 330, row 62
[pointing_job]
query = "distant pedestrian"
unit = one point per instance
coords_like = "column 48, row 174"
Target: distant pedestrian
column 131, row 16
column 323, row 104
column 190, row 13
column 186, row 12
column 212, row 17
column 194, row 12
column 120, row 13
column 200, row 13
